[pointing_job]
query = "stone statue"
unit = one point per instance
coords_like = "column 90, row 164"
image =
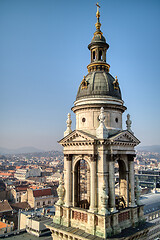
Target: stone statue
column 60, row 191
column 104, row 201
column 137, row 192
column 69, row 122
column 102, row 131
column 128, row 123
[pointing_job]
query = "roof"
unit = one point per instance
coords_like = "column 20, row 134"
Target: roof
column 27, row 236
column 100, row 83
column 42, row 192
column 21, row 205
column 151, row 202
column 5, row 206
column 73, row 231
column 3, row 225
column 22, row 188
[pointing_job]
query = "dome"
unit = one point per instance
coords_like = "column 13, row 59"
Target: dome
column 99, row 83
column 98, row 38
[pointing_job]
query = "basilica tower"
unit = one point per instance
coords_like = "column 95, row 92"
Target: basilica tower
column 88, row 204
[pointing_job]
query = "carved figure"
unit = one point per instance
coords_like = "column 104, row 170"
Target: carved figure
column 102, row 131
column 116, row 83
column 60, row 191
column 69, row 122
column 104, row 201
column 84, row 83
column 128, row 123
column 137, row 192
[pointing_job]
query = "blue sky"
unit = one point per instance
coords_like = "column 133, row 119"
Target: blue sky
column 43, row 58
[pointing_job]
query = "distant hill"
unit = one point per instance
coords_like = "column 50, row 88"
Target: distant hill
column 19, row 150
column 153, row 148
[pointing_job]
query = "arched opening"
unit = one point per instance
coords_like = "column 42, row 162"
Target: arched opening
column 94, row 55
column 121, row 185
column 82, row 184
column 100, row 55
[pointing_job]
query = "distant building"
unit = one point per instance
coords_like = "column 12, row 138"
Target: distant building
column 17, row 192
column 23, row 174
column 34, row 221
column 5, row 208
column 39, row 197
column 5, row 228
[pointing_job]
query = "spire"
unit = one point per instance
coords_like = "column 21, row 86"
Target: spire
column 98, row 24
column 98, row 48
column 69, row 122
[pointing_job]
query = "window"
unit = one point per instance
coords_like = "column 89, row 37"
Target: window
column 94, row 55
column 83, row 120
column 100, row 55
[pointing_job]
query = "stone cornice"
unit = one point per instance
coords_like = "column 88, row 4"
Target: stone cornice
column 98, row 106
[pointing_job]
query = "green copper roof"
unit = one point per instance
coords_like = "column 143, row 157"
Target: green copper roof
column 99, row 83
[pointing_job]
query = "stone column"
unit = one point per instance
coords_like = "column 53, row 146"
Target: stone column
column 68, row 184
column 88, row 183
column 93, row 185
column 127, row 196
column 131, row 179
column 112, row 186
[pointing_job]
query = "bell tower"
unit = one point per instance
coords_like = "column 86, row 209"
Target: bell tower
column 89, row 204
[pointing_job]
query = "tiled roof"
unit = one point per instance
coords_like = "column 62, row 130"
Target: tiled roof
column 21, row 205
column 23, row 188
column 5, row 206
column 42, row 192
column 3, row 225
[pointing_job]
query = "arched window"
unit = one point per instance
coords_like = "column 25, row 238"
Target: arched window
column 82, row 184
column 94, row 55
column 100, row 55
column 120, row 184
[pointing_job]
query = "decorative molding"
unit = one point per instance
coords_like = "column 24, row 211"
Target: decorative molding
column 112, row 157
column 68, row 157
column 93, row 157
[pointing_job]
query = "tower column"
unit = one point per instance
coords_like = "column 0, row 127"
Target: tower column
column 93, row 185
column 131, row 179
column 68, row 184
column 112, row 186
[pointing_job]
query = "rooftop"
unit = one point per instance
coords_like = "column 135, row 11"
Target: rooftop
column 151, row 202
column 27, row 236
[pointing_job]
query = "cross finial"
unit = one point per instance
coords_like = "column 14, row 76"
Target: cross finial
column 97, row 7
column 98, row 25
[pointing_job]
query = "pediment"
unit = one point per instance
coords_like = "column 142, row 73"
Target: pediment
column 77, row 136
column 125, row 137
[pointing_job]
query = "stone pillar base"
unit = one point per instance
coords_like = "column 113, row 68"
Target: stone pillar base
column 113, row 210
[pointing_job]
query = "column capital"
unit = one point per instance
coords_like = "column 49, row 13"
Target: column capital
column 93, row 157
column 68, row 157
column 113, row 157
column 131, row 157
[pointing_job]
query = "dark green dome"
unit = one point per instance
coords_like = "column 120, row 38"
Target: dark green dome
column 99, row 83
column 98, row 38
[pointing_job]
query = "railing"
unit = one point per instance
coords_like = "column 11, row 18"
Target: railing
column 80, row 216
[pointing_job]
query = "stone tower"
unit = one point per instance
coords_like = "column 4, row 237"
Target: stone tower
column 88, row 204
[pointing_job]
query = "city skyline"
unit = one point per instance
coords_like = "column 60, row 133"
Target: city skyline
column 44, row 57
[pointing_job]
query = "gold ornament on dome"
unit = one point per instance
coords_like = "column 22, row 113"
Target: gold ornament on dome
column 116, row 84
column 84, row 83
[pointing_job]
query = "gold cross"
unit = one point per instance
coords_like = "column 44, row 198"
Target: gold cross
column 97, row 7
